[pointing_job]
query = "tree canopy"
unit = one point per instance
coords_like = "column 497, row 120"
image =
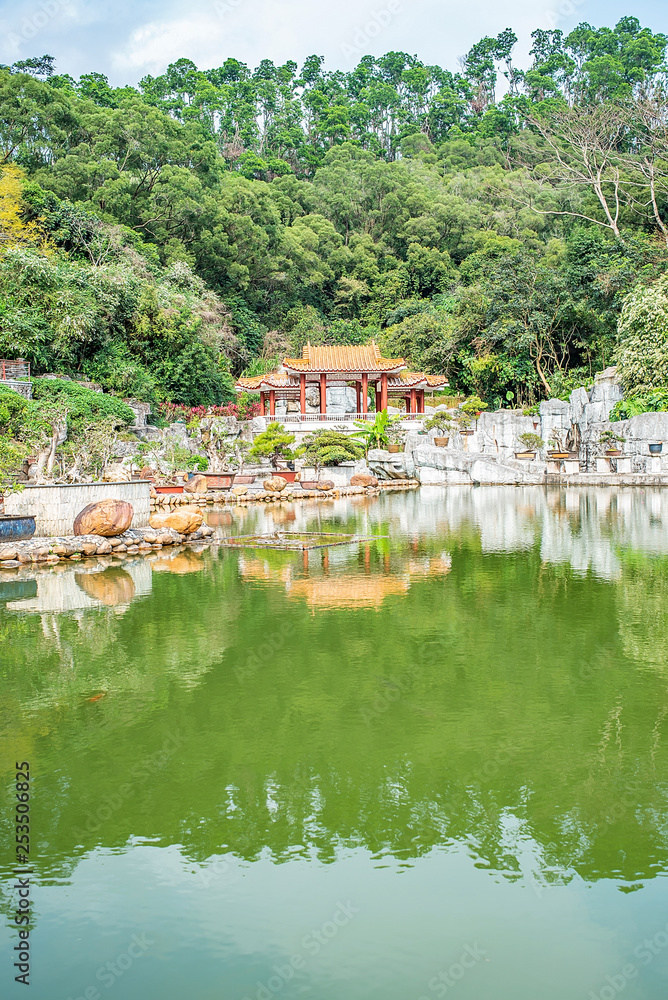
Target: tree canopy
column 487, row 222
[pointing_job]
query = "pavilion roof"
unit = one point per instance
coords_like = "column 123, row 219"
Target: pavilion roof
column 275, row 380
column 357, row 358
column 408, row 380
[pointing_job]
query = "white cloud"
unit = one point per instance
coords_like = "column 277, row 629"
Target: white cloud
column 343, row 32
column 128, row 38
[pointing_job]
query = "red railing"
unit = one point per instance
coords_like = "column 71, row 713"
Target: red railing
column 14, row 371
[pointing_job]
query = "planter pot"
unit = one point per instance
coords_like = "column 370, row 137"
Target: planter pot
column 613, row 452
column 218, row 480
column 394, row 449
column 309, row 484
column 527, row 456
column 243, row 480
column 287, row 474
column 441, row 442
column 168, row 489
column 16, row 527
column 466, row 433
column 655, row 449
column 557, row 454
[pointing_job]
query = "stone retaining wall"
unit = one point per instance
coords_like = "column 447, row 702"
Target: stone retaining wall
column 55, row 507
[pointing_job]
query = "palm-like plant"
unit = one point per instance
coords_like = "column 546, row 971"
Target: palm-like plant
column 377, row 434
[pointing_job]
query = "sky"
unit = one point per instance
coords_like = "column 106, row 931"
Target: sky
column 126, row 39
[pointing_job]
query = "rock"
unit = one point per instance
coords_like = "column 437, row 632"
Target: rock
column 360, row 479
column 184, row 520
column 146, row 472
column 104, row 549
column 106, row 518
column 326, row 484
column 115, row 474
column 7, row 552
column 89, row 548
column 196, row 485
column 239, row 491
column 10, row 563
column 276, row 484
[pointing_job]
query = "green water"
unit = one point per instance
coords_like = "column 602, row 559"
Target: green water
column 430, row 765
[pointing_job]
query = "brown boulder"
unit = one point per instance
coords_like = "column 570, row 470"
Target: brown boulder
column 362, row 479
column 146, row 472
column 184, row 520
column 276, row 484
column 106, row 517
column 325, row 484
column 196, row 485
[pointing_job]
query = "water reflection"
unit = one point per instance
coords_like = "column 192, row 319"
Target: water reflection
column 507, row 694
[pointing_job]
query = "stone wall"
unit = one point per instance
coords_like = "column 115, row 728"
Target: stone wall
column 55, row 507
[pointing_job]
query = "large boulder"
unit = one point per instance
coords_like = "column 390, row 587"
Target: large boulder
column 361, row 479
column 106, row 518
column 326, row 484
column 147, row 472
column 197, row 484
column 275, row 485
column 115, row 474
column 184, row 520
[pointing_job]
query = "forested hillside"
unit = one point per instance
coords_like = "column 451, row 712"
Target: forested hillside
column 487, row 222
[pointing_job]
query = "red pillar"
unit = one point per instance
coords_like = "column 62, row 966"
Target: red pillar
column 383, row 391
column 365, row 393
column 272, row 402
column 358, row 390
column 378, row 406
column 323, row 393
column 421, row 401
column 413, row 401
column 302, row 393
column 263, row 408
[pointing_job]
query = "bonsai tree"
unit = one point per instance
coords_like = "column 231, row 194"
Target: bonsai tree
column 473, row 404
column 327, row 447
column 463, row 420
column 238, row 459
column 531, row 442
column 610, row 440
column 274, row 443
column 439, row 422
column 557, row 441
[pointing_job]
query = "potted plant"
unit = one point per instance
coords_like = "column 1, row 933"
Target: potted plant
column 474, row 406
column 609, row 441
column 440, row 422
column 241, row 478
column 531, row 443
column 463, row 421
column 395, row 436
column 558, row 449
column 327, row 448
column 655, row 449
column 274, row 444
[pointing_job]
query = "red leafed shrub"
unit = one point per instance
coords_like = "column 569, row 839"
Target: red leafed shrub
column 245, row 408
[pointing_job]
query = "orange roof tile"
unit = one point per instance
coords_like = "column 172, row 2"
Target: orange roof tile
column 408, row 379
column 273, row 379
column 357, row 358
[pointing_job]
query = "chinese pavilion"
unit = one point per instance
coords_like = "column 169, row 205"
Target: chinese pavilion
column 361, row 366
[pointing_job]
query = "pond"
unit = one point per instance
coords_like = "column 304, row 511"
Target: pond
column 430, row 764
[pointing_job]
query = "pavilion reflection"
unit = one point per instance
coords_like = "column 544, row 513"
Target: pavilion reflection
column 344, row 577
